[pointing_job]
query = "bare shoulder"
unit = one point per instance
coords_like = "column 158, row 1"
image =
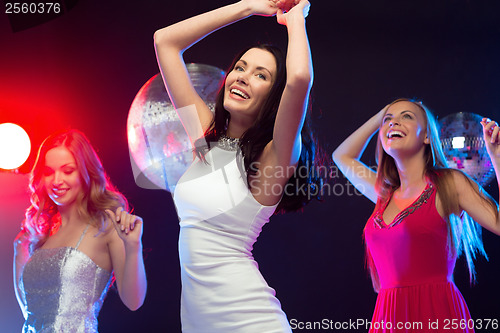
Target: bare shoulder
column 109, row 234
column 21, row 237
column 461, row 181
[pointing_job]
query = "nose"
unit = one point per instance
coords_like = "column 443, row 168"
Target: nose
column 58, row 178
column 393, row 122
column 242, row 78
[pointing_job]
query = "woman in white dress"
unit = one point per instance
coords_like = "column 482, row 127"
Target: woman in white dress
column 254, row 156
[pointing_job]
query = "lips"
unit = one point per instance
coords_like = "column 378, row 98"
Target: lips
column 395, row 134
column 239, row 92
column 59, row 191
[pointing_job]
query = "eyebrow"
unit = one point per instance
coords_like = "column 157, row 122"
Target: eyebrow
column 62, row 166
column 258, row 67
column 401, row 113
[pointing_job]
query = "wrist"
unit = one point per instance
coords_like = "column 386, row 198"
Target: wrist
column 133, row 247
column 244, row 8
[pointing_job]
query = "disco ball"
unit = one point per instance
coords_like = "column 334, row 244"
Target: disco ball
column 160, row 149
column 463, row 145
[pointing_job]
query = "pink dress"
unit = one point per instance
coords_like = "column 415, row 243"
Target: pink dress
column 415, row 270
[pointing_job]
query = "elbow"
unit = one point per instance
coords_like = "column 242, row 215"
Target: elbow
column 134, row 299
column 300, row 79
column 165, row 42
column 341, row 159
column 160, row 37
column 157, row 37
column 134, row 305
column 336, row 156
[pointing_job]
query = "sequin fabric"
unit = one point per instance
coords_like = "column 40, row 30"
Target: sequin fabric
column 228, row 143
column 64, row 291
column 379, row 221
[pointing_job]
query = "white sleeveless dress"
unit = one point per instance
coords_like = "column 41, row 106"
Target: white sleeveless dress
column 220, row 220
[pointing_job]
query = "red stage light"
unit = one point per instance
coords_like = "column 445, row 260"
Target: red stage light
column 15, row 146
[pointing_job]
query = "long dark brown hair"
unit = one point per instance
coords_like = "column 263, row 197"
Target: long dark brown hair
column 302, row 186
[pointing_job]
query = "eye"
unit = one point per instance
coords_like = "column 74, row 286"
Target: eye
column 386, row 119
column 238, row 68
column 407, row 116
column 69, row 171
column 47, row 171
column 262, row 76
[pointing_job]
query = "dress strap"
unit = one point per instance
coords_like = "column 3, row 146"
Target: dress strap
column 81, row 237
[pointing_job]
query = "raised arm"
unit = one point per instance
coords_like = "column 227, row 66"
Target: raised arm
column 172, row 41
column 348, row 153
column 286, row 143
column 469, row 200
column 125, row 247
column 21, row 256
column 280, row 157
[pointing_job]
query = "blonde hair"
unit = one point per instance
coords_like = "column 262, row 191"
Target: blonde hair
column 464, row 234
column 98, row 193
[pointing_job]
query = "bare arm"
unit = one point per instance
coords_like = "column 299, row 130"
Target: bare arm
column 348, row 153
column 283, row 152
column 125, row 249
column 172, row 41
column 21, row 256
column 469, row 200
column 286, row 143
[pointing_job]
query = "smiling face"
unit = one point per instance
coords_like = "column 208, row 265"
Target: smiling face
column 247, row 86
column 61, row 177
column 403, row 129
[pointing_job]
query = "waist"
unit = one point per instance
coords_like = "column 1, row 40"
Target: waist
column 415, row 283
column 199, row 244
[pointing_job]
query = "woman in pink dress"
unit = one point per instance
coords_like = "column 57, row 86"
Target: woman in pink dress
column 425, row 216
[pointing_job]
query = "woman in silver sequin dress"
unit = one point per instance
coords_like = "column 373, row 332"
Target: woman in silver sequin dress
column 254, row 156
column 76, row 236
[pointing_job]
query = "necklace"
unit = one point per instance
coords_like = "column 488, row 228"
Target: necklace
column 228, row 143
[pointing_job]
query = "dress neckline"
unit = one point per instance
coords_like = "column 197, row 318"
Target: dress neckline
column 75, row 249
column 422, row 198
column 71, row 248
column 227, row 143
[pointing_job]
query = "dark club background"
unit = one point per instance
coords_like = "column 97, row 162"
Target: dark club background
column 84, row 68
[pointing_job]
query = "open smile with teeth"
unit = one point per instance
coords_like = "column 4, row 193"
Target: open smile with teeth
column 239, row 93
column 60, row 191
column 395, row 134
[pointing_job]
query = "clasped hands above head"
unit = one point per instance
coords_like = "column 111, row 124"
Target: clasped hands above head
column 285, row 5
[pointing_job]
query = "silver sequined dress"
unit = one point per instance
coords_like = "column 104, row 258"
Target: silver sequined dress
column 64, row 291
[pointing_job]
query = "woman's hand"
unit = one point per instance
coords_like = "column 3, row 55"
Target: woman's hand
column 128, row 265
column 286, row 5
column 290, row 8
column 127, row 226
column 262, row 7
column 491, row 135
column 381, row 114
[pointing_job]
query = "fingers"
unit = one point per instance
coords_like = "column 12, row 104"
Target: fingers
column 287, row 5
column 491, row 129
column 123, row 221
column 126, row 222
column 280, row 17
column 111, row 215
column 494, row 134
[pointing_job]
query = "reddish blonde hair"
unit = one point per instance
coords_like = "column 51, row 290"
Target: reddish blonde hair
column 98, row 193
